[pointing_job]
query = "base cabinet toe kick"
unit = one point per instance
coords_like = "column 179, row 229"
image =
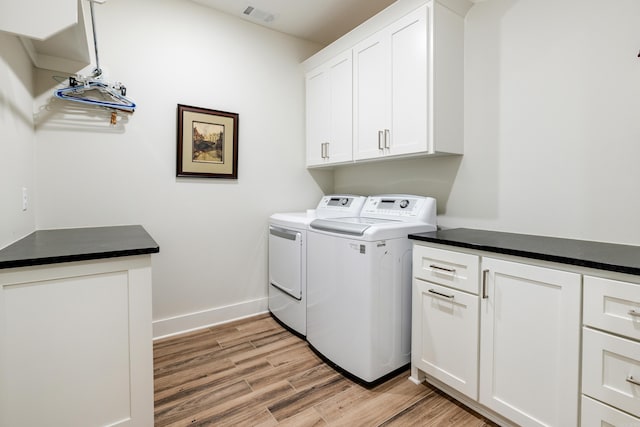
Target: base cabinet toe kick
column 526, row 341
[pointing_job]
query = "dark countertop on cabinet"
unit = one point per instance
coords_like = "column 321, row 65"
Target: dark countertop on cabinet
column 77, row 244
column 601, row 256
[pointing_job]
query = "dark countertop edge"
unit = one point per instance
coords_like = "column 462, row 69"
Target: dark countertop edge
column 78, row 257
column 532, row 255
column 56, row 246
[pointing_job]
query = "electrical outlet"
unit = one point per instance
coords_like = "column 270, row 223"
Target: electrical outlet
column 25, row 198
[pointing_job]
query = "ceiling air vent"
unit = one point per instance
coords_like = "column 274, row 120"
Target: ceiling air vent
column 258, row 14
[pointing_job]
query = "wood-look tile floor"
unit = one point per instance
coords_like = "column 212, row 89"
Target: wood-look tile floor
column 254, row 372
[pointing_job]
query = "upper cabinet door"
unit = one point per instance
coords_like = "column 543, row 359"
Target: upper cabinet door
column 340, row 148
column 371, row 94
column 318, row 115
column 390, row 89
column 409, row 56
column 329, row 112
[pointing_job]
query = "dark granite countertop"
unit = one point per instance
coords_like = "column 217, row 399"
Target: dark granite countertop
column 601, row 256
column 77, row 244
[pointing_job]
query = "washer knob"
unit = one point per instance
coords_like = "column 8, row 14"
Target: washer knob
column 404, row 203
column 344, row 201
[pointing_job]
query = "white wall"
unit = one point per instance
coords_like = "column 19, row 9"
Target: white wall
column 552, row 125
column 16, row 141
column 551, row 145
column 211, row 232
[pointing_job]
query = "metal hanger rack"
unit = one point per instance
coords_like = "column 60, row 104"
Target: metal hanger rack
column 93, row 90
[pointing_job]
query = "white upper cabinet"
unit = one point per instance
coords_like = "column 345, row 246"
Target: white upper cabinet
column 407, row 86
column 37, row 19
column 390, row 89
column 56, row 37
column 329, row 110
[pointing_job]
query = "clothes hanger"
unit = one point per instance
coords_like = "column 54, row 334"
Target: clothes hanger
column 92, row 90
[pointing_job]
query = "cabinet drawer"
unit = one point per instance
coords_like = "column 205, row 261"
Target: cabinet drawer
column 612, row 305
column 611, row 370
column 448, row 268
column 596, row 414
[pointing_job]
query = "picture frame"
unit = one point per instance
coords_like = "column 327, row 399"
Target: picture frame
column 207, row 143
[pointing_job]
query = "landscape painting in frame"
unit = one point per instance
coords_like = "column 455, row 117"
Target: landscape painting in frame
column 207, row 143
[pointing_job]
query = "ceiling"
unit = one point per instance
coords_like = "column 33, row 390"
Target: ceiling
column 320, row 21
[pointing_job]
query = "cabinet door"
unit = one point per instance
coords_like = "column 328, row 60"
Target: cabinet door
column 329, row 112
column 76, row 344
column 340, row 147
column 529, row 351
column 409, row 46
column 445, row 335
column 390, row 92
column 318, row 115
column 372, row 86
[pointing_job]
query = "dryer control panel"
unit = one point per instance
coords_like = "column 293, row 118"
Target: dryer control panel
column 401, row 207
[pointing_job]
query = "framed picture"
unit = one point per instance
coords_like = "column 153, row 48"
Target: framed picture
column 207, row 143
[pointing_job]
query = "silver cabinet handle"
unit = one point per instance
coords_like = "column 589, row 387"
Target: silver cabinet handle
column 485, row 275
column 432, row 291
column 633, row 380
column 448, row 270
column 387, row 138
column 324, row 150
column 634, row 313
column 380, row 146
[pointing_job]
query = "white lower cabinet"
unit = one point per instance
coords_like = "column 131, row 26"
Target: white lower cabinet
column 444, row 341
column 513, row 348
column 76, row 344
column 530, row 346
column 611, row 353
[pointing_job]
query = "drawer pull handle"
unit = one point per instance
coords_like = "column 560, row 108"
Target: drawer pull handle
column 448, row 270
column 431, row 291
column 634, row 313
column 633, row 381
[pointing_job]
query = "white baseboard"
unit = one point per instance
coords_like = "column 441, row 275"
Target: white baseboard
column 214, row 316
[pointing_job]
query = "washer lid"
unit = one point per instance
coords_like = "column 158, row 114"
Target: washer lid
column 351, row 226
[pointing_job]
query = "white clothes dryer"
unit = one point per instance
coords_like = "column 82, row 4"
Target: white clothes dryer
column 359, row 285
column 288, row 257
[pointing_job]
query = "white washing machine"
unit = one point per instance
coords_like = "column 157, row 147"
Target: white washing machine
column 359, row 285
column 288, row 257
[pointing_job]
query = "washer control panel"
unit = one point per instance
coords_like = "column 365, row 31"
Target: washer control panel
column 401, row 207
column 340, row 205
